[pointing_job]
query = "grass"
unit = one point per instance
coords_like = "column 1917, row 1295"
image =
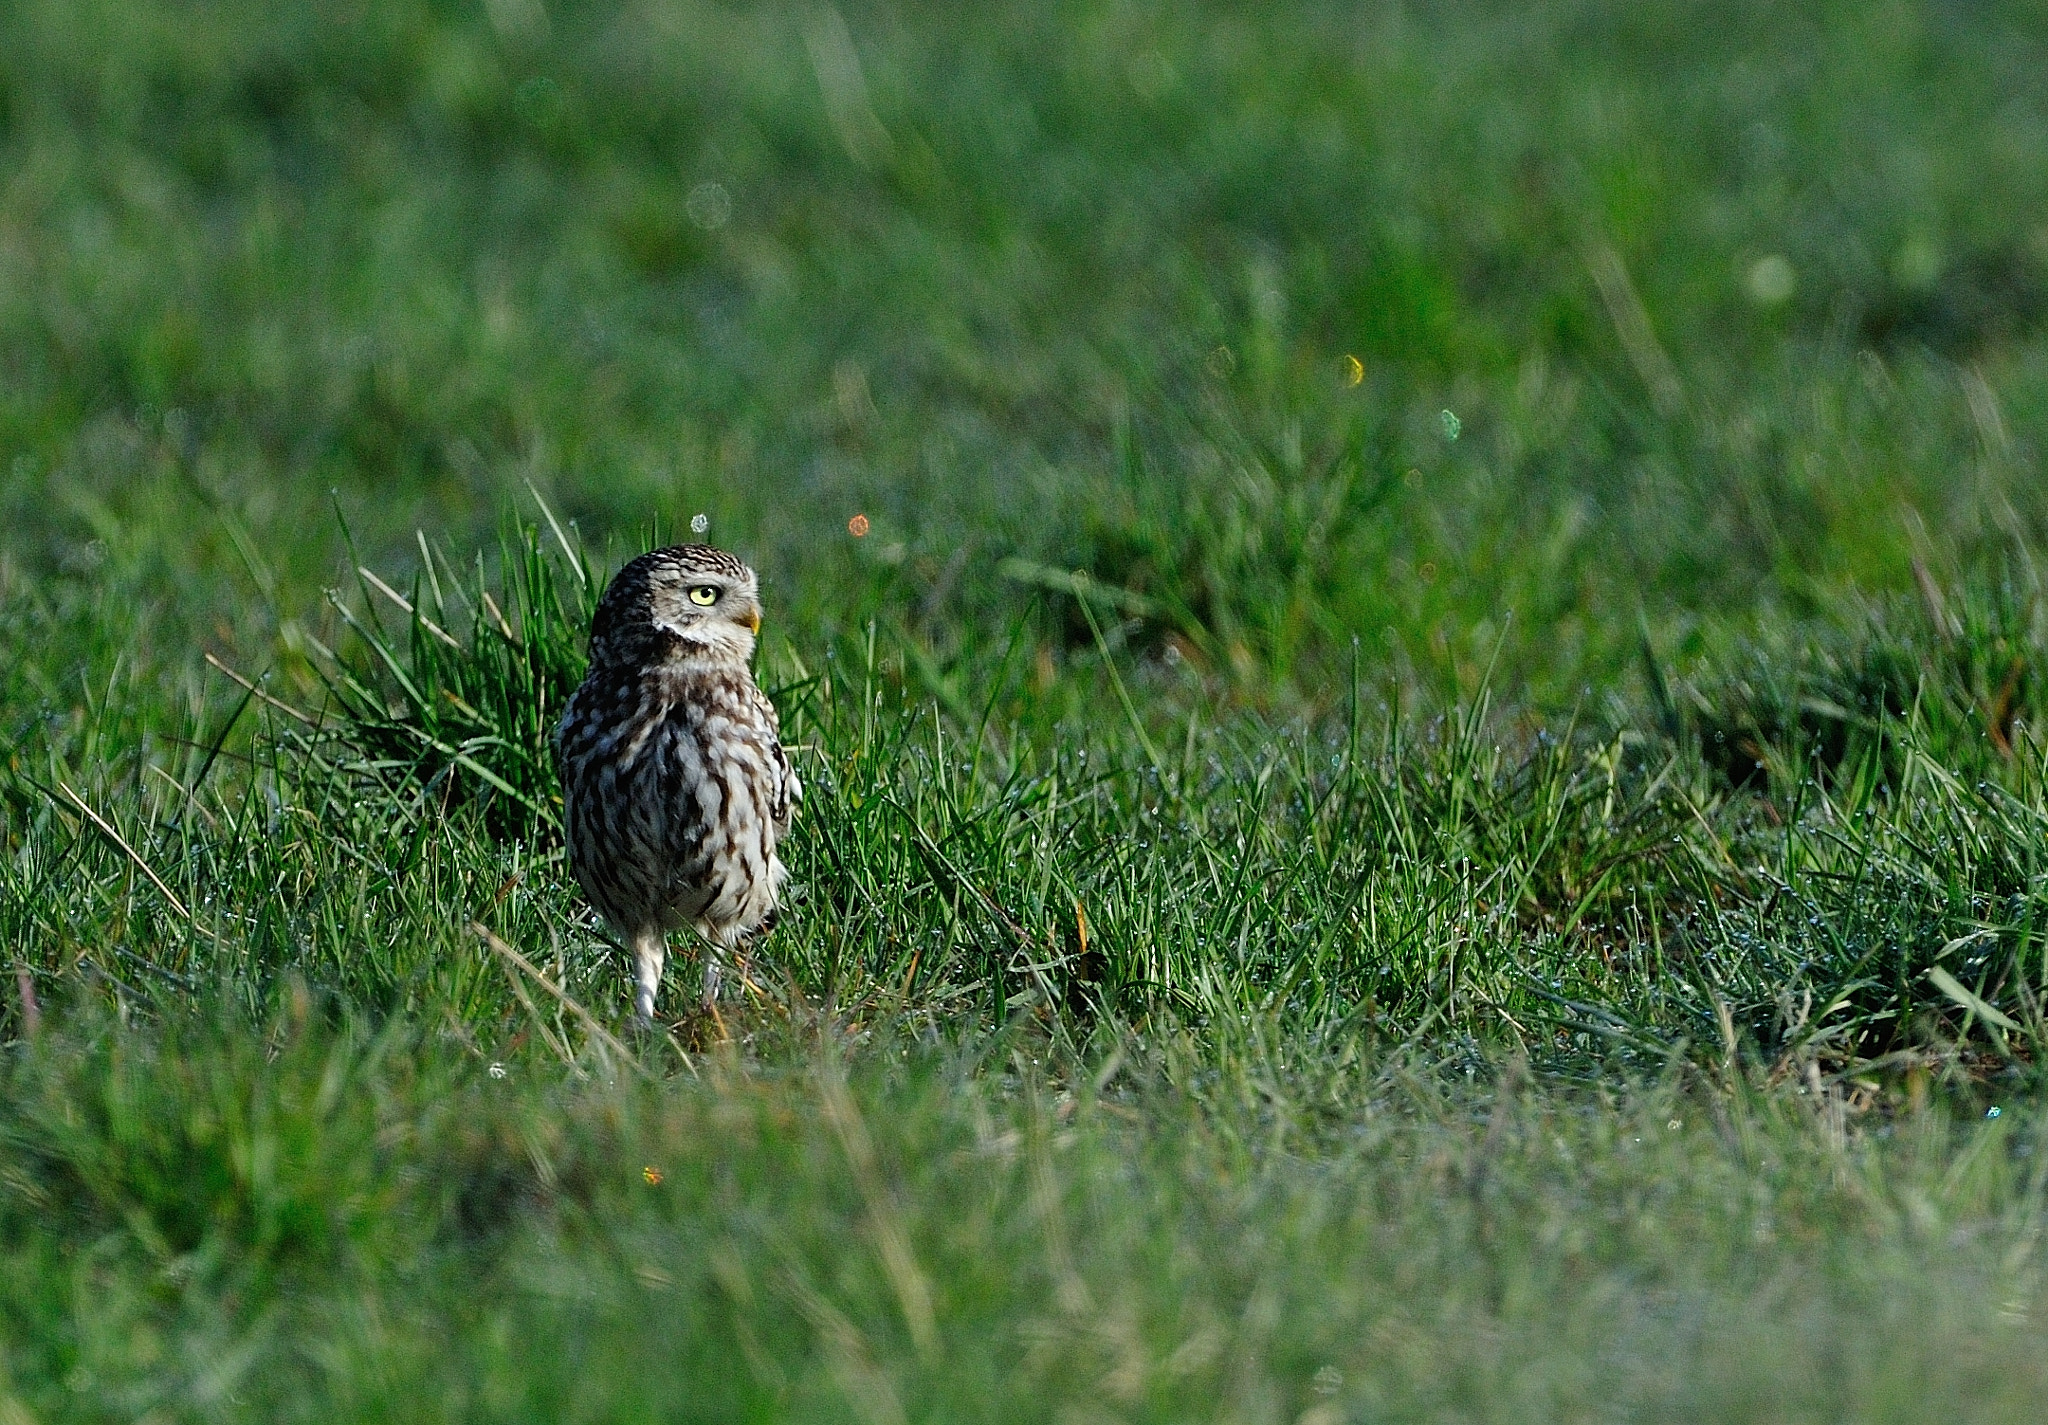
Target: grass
column 964, row 1239
column 1425, row 787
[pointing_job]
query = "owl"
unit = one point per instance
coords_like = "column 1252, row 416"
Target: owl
column 676, row 789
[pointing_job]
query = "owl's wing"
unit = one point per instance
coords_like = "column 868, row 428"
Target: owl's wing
column 788, row 790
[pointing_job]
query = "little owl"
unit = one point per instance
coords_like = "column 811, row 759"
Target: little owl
column 675, row 785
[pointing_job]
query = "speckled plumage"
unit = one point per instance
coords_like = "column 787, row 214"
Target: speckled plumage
column 676, row 788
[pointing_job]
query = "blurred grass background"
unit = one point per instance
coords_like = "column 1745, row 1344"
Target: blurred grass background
column 1725, row 313
column 1424, row 790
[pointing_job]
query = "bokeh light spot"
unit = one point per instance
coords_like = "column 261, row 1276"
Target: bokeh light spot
column 709, row 206
column 1771, row 280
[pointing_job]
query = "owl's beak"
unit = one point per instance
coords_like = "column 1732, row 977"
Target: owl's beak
column 753, row 621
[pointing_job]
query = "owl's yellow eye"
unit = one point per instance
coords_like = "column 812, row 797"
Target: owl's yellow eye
column 705, row 594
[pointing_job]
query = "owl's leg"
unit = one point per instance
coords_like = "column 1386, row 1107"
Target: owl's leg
column 714, row 969
column 650, row 953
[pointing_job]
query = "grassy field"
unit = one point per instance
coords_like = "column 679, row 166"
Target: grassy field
column 1427, row 784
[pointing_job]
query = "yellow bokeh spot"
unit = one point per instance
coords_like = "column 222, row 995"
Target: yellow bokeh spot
column 1354, row 371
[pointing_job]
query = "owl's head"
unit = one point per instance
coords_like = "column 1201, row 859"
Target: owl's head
column 689, row 600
